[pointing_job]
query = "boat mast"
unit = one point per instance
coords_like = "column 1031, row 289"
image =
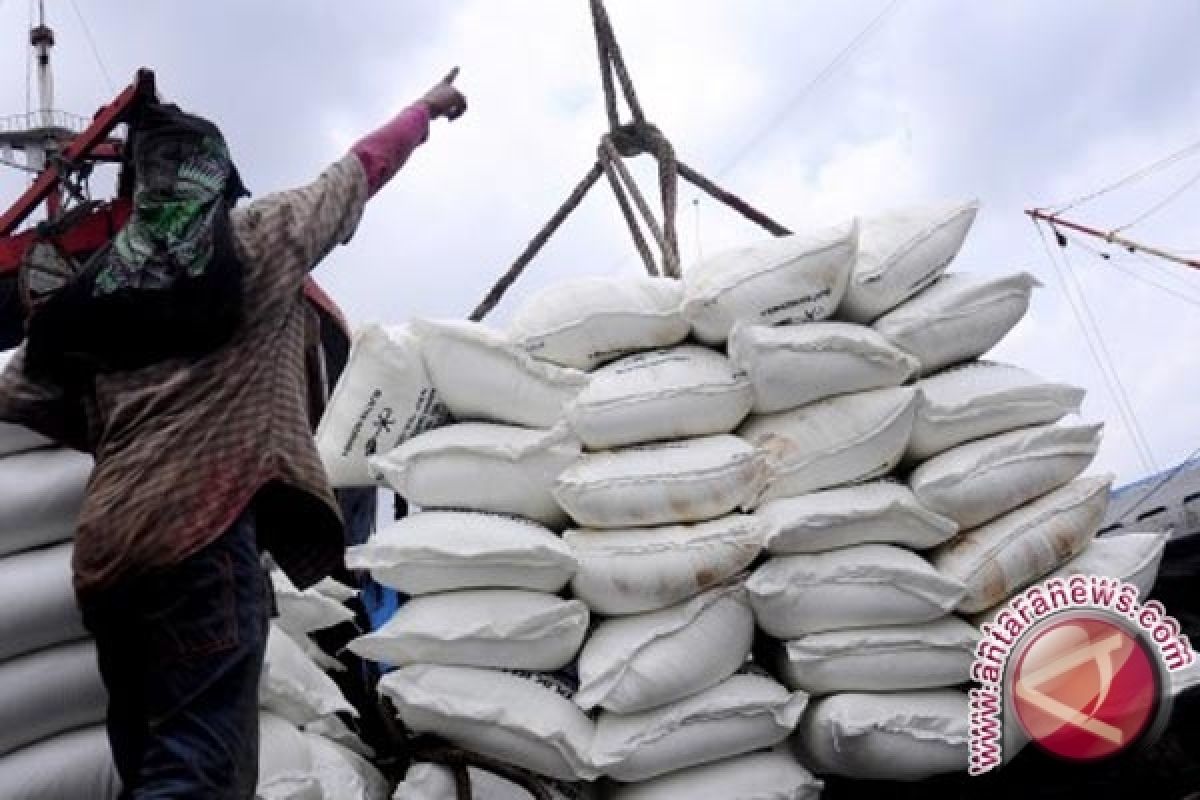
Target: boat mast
column 1112, row 237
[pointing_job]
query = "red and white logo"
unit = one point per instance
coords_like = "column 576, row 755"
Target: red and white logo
column 1076, row 665
column 1085, row 687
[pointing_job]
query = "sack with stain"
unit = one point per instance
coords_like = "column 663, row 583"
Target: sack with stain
column 663, row 394
column 691, row 480
column 646, row 569
column 847, row 439
column 1014, row 550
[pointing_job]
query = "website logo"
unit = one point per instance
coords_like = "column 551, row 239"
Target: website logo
column 1076, row 666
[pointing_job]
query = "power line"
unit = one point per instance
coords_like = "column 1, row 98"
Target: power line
column 1159, row 206
column 838, row 60
column 843, row 55
column 1130, row 424
column 1132, row 178
column 1109, row 361
column 87, row 32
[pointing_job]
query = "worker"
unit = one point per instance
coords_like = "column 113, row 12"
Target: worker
column 200, row 464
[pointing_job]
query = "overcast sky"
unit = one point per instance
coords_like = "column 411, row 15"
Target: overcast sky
column 1015, row 103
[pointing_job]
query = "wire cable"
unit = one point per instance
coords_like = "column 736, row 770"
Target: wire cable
column 87, row 32
column 1130, row 425
column 1146, row 171
column 842, row 57
column 1159, row 206
column 1109, row 361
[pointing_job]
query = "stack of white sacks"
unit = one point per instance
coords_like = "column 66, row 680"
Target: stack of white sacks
column 598, row 486
column 52, row 702
column 53, row 744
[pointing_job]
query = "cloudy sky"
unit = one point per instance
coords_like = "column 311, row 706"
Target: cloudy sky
column 1018, row 103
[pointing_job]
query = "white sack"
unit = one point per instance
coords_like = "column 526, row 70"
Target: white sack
column 294, row 687
column 71, row 766
column 927, row 655
column 343, row 774
column 501, row 628
column 383, row 397
column 435, row 782
column 285, row 764
column 663, row 394
column 37, row 603
column 1013, row 551
column 958, row 318
column 19, row 439
column 335, row 590
column 585, row 322
column 645, row 569
column 758, row 776
column 49, row 692
column 311, row 649
column 797, row 278
column 979, row 481
column 1130, row 557
column 900, row 252
column 847, row 439
column 508, row 717
column 638, row 662
column 41, row 497
column 745, row 713
column 982, row 399
column 335, row 729
column 856, row 587
column 481, row 466
column 435, row 551
column 793, row 365
column 662, row 484
column 479, row 375
column 881, row 512
column 901, row 736
column 302, row 612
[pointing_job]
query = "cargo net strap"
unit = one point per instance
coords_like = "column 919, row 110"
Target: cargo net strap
column 622, row 141
column 459, row 763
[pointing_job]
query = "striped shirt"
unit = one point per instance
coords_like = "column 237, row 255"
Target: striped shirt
column 183, row 446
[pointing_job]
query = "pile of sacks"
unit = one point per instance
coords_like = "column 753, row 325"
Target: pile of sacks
column 53, row 745
column 620, row 488
column 52, row 702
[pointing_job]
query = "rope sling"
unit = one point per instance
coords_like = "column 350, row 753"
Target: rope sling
column 622, row 141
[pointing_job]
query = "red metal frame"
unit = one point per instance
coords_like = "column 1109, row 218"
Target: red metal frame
column 81, row 149
column 96, row 228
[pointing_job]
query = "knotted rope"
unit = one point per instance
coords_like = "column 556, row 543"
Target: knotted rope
column 622, row 141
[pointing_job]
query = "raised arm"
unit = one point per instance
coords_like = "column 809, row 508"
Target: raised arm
column 296, row 229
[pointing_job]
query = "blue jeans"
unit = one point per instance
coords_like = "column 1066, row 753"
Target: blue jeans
column 181, row 651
